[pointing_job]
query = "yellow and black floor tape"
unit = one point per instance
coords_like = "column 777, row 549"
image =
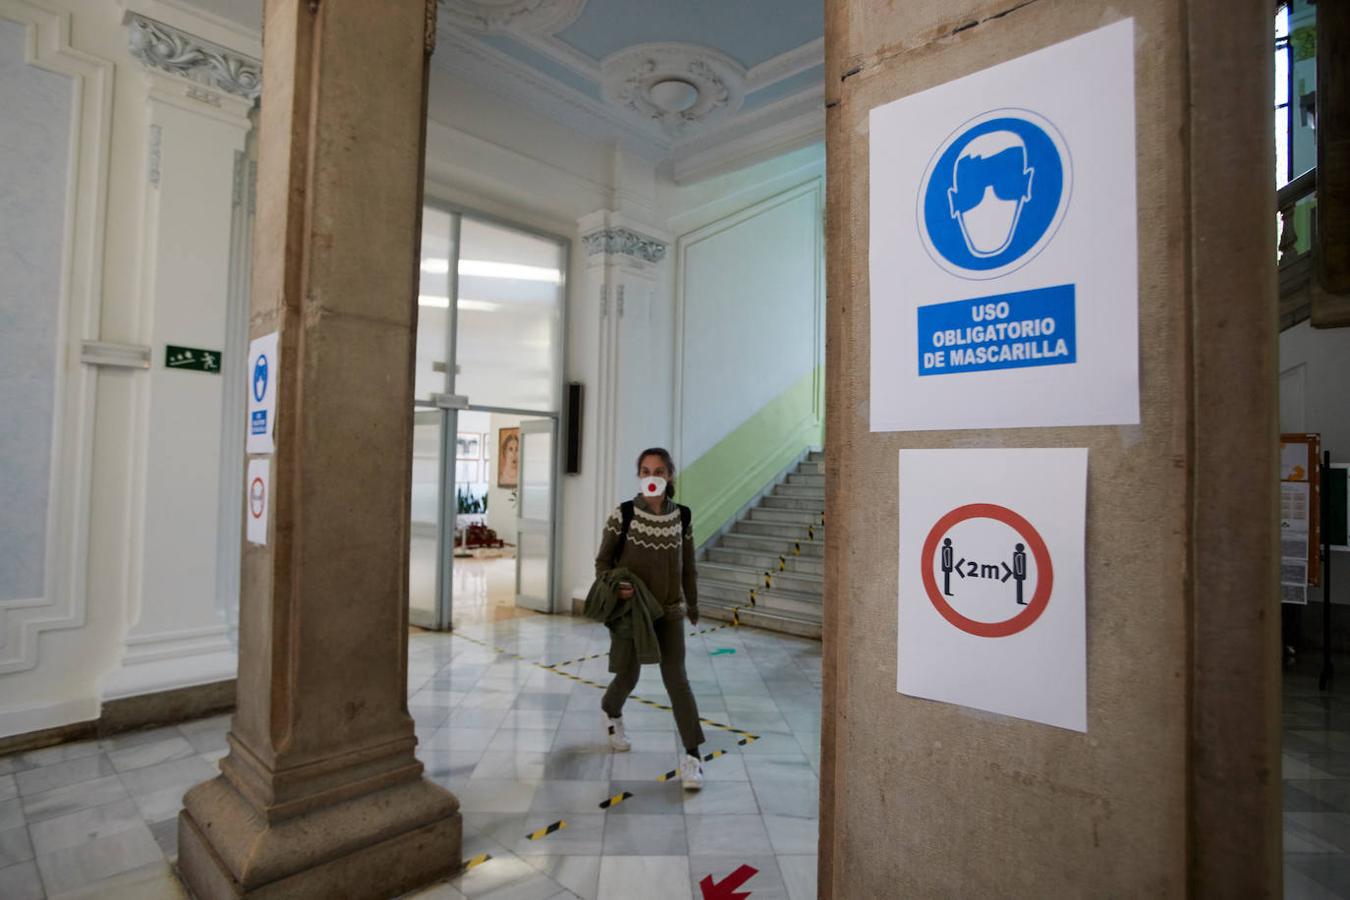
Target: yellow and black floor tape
column 614, row 801
column 599, row 686
column 579, row 679
column 675, row 773
column 476, row 861
column 485, row 645
column 547, row 830
column 568, row 662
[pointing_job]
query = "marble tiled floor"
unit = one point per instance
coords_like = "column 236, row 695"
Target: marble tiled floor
column 520, row 745
column 1316, row 782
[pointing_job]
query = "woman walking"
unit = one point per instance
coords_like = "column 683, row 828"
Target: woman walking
column 652, row 540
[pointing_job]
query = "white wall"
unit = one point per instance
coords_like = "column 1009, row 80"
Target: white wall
column 1314, row 370
column 748, row 298
column 129, row 599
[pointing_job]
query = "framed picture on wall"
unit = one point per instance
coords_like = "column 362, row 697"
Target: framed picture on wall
column 508, row 457
column 468, row 445
column 466, row 472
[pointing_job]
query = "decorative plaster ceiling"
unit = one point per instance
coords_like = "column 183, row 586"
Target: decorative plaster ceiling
column 705, row 83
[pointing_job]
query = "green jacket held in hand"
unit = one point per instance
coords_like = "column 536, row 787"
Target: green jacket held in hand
column 629, row 621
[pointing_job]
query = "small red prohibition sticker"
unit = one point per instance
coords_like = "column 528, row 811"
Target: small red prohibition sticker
column 256, row 495
column 1045, row 575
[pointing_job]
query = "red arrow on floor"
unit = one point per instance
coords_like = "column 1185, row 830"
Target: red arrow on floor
column 726, row 888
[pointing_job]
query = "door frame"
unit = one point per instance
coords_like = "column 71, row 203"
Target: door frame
column 553, row 531
column 443, row 615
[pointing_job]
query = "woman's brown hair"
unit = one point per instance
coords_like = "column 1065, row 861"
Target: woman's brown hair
column 667, row 460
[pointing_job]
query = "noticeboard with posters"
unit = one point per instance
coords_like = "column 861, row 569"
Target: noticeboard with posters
column 1300, row 515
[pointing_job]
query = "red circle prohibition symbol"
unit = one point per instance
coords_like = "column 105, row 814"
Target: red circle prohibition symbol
column 257, row 494
column 1045, row 574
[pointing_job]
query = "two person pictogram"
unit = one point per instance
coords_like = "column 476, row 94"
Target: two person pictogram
column 1017, row 571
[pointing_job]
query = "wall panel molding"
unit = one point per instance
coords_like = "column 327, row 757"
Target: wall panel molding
column 63, row 600
column 812, row 187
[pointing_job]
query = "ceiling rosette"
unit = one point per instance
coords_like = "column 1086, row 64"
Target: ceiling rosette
column 681, row 86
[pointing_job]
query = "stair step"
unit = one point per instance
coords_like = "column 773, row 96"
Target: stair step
column 810, row 504
column 811, row 468
column 754, row 578
column 779, row 529
column 802, row 491
column 772, row 544
column 788, row 516
column 795, row 602
column 816, row 456
column 768, row 619
column 766, row 562
column 798, row 478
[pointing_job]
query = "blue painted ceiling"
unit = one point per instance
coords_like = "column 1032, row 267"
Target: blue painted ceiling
column 749, row 31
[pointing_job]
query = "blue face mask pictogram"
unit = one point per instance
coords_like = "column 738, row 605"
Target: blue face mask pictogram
column 993, row 194
column 260, row 378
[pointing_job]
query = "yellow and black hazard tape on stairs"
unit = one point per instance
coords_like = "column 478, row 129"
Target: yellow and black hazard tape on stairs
column 476, row 861
column 614, row 801
column 675, row 773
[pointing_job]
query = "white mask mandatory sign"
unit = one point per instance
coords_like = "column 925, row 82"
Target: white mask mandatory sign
column 1002, row 244
column 654, row 486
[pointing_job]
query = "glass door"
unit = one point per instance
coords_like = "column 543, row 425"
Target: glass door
column 424, row 539
column 489, row 380
column 535, row 515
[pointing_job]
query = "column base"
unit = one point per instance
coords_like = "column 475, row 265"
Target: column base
column 381, row 844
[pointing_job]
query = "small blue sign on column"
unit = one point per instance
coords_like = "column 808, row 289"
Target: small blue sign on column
column 1005, row 331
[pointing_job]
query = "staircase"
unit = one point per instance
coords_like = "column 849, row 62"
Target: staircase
column 777, row 550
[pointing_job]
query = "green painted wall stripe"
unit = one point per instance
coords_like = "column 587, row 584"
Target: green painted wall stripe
column 717, row 484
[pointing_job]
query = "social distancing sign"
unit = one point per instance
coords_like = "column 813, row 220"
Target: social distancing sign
column 1003, row 250
column 991, row 583
column 258, row 500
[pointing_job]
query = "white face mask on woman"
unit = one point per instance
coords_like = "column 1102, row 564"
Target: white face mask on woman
column 652, row 486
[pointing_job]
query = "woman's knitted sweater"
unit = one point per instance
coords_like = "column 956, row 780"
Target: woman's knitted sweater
column 656, row 551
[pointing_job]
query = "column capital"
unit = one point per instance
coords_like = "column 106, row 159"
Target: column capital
column 612, row 234
column 168, row 49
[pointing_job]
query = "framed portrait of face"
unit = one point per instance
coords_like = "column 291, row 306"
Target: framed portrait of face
column 508, row 457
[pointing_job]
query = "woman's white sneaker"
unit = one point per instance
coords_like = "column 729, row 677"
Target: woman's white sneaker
column 617, row 739
column 691, row 773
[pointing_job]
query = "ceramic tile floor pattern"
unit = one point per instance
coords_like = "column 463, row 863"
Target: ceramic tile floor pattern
column 1316, row 768
column 521, row 746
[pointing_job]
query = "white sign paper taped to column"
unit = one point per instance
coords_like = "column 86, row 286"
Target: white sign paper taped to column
column 263, row 373
column 258, row 499
column 1003, row 253
column 992, row 604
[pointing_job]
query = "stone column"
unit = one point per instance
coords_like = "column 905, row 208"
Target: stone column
column 321, row 794
column 1174, row 788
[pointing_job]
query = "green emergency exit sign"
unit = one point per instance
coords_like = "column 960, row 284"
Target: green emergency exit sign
column 194, row 358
